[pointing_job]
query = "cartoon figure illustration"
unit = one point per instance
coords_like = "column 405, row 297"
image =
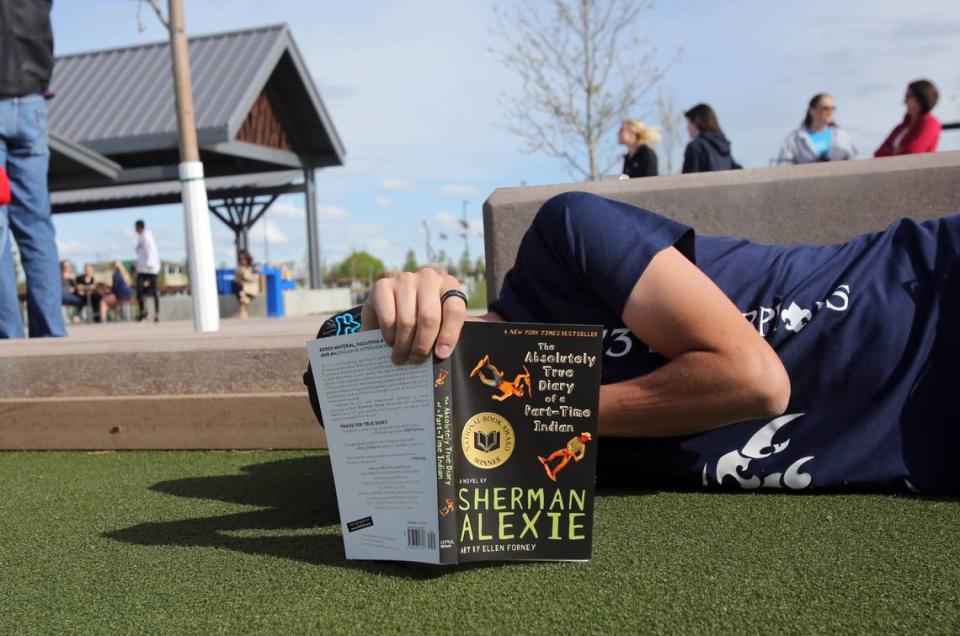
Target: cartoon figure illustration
column 575, row 449
column 507, row 389
column 346, row 323
column 447, row 508
column 441, row 378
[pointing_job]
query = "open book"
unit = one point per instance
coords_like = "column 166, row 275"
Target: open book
column 488, row 455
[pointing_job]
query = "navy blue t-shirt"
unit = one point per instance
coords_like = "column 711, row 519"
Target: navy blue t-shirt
column 865, row 329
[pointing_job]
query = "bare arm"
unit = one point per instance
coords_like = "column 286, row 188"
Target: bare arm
column 720, row 370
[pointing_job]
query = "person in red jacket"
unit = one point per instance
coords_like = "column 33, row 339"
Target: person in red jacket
column 4, row 187
column 920, row 130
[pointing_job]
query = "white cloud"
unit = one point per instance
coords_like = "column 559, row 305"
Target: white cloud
column 225, row 254
column 449, row 224
column 371, row 237
column 107, row 246
column 383, row 202
column 352, row 231
column 399, row 185
column 354, row 167
column 293, row 212
column 445, row 219
column 273, row 234
column 71, row 248
column 332, row 213
column 458, row 190
column 286, row 210
column 379, row 243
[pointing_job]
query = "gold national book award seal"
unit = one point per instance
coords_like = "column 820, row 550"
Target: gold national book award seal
column 487, row 440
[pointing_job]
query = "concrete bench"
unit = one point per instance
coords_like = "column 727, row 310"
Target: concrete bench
column 817, row 203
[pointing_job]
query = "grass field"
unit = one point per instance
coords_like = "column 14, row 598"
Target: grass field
column 173, row 542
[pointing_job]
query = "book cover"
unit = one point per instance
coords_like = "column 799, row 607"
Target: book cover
column 499, row 440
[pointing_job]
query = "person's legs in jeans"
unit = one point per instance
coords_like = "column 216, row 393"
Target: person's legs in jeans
column 24, row 131
column 11, row 323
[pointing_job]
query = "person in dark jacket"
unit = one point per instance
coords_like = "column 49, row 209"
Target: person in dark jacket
column 640, row 160
column 920, row 130
column 26, row 62
column 709, row 149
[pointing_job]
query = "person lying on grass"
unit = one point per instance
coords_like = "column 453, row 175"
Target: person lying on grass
column 730, row 363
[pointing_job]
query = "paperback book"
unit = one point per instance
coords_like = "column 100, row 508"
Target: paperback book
column 488, row 455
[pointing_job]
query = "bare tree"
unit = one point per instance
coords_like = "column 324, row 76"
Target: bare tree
column 671, row 127
column 583, row 67
column 156, row 9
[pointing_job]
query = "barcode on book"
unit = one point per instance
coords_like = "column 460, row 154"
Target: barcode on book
column 420, row 538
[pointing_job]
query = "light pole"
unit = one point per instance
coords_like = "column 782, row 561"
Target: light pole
column 203, row 283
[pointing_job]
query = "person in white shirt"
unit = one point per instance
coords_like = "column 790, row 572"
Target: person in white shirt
column 148, row 269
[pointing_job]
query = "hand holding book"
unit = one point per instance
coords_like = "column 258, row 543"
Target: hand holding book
column 408, row 311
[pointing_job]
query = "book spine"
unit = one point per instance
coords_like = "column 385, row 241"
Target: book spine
column 446, row 477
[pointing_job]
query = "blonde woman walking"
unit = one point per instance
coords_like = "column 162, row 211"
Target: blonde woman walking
column 640, row 160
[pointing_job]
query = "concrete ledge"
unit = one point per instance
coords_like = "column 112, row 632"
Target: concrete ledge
column 147, row 385
column 297, row 303
column 311, row 302
column 817, row 203
column 265, row 420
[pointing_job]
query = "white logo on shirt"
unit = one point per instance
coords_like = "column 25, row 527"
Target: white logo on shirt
column 736, row 463
column 795, row 317
column 622, row 342
column 764, row 319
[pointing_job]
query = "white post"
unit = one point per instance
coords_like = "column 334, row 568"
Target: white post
column 203, row 278
column 196, row 220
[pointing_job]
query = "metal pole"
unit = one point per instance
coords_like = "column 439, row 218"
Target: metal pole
column 241, row 241
column 203, row 282
column 266, row 244
column 313, row 229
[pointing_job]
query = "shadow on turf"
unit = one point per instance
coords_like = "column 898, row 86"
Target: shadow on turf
column 292, row 495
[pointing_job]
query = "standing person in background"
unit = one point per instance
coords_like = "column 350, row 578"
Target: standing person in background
column 920, row 130
column 26, row 61
column 818, row 138
column 148, row 269
column 640, row 160
column 709, row 149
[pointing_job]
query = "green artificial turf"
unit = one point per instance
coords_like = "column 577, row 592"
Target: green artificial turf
column 173, row 542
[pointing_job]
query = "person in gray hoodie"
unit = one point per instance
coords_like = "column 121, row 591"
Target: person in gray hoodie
column 709, row 149
column 818, row 138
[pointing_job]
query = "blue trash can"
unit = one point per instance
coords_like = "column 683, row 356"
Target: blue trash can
column 275, row 307
column 225, row 282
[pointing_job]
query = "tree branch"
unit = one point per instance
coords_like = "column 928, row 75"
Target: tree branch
column 582, row 67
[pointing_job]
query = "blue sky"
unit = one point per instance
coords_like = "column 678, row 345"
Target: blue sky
column 414, row 91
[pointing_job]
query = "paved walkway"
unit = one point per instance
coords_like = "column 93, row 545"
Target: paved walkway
column 114, row 337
